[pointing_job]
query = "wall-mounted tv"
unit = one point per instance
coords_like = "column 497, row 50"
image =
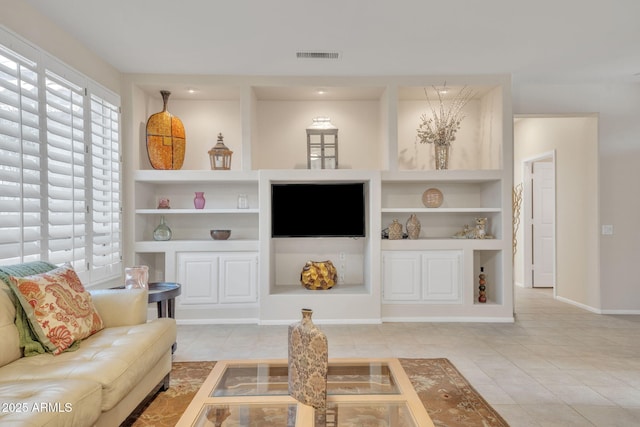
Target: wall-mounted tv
column 324, row 209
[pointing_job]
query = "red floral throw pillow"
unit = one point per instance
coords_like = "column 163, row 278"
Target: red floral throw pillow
column 59, row 309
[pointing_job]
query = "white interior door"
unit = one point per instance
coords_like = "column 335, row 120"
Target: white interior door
column 543, row 224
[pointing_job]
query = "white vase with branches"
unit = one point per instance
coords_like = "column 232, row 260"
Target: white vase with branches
column 439, row 127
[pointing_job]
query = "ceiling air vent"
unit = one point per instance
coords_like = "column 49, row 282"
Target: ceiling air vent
column 317, row 55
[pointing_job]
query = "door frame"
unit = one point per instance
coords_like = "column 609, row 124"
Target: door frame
column 527, row 212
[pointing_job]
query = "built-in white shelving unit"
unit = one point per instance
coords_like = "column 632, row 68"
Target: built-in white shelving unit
column 253, row 277
column 437, row 271
column 357, row 296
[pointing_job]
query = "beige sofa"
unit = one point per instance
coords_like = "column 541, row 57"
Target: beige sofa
column 101, row 382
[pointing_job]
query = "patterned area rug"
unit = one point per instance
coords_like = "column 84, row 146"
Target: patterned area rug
column 449, row 399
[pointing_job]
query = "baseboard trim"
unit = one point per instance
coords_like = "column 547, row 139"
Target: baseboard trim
column 324, row 322
column 449, row 319
column 619, row 312
column 579, row 305
column 227, row 321
column 348, row 321
column 597, row 310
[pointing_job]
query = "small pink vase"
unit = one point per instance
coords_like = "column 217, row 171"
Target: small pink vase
column 199, row 200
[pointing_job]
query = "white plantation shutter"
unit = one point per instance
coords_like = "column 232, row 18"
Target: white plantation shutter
column 60, row 189
column 66, row 171
column 106, row 205
column 20, row 166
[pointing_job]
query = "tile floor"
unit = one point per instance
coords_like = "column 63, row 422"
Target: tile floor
column 557, row 365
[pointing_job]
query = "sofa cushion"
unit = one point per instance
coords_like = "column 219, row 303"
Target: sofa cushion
column 10, row 348
column 59, row 309
column 50, row 403
column 118, row 358
column 28, row 341
column 121, row 307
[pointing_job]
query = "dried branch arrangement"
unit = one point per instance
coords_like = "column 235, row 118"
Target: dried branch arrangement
column 441, row 125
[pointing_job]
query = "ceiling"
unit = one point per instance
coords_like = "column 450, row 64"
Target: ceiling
column 542, row 40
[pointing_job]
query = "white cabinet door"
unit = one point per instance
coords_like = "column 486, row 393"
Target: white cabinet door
column 238, row 278
column 198, row 275
column 217, row 277
column 422, row 276
column 401, row 275
column 441, row 276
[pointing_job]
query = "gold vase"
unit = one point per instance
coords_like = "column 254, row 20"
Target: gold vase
column 442, row 156
column 317, row 275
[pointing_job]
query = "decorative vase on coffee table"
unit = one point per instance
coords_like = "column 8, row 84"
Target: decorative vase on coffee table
column 308, row 362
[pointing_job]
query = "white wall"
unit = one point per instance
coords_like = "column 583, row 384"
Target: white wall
column 618, row 108
column 281, row 139
column 574, row 140
column 19, row 17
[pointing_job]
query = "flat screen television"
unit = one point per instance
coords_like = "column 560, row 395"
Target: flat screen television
column 318, row 210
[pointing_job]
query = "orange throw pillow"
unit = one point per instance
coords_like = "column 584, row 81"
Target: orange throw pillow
column 59, row 309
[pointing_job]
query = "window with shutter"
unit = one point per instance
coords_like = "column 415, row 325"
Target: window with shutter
column 66, row 170
column 20, row 165
column 60, row 189
column 106, row 195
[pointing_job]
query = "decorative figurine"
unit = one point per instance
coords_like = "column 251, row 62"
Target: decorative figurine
column 164, row 203
column 477, row 232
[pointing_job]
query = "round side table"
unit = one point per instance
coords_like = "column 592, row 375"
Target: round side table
column 164, row 294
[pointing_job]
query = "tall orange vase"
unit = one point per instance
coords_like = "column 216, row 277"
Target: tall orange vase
column 166, row 140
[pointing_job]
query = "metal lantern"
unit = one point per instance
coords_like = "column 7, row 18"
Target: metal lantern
column 220, row 155
column 322, row 144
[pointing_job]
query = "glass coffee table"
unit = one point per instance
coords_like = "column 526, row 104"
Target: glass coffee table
column 360, row 392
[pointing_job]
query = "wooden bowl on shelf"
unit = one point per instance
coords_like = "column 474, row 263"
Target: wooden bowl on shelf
column 220, row 234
